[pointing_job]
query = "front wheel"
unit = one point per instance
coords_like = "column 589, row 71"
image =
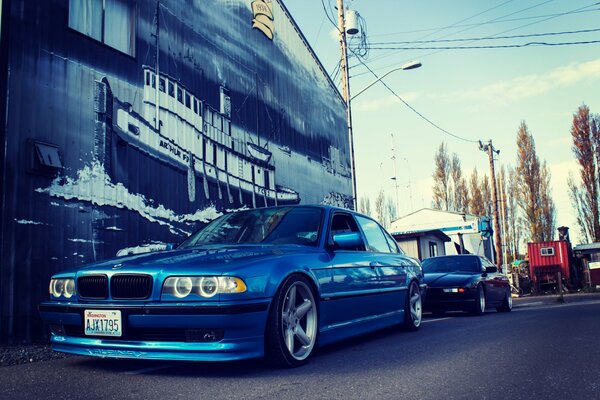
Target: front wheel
column 413, row 310
column 479, row 306
column 506, row 302
column 292, row 326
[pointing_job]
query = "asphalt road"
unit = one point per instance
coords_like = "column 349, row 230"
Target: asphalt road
column 541, row 350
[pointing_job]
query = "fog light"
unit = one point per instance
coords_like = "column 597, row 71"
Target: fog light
column 58, row 330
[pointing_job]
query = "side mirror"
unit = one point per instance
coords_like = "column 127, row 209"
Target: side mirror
column 348, row 241
column 491, row 270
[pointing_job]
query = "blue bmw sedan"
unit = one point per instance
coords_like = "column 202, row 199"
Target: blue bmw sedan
column 274, row 282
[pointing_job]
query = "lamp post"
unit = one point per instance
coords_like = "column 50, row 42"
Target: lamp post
column 346, row 88
column 405, row 67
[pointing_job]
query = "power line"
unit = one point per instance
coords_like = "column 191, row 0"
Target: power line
column 438, row 50
column 507, row 46
column 474, row 39
column 415, row 111
column 456, row 23
column 499, row 21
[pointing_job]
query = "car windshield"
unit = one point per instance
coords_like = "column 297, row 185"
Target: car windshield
column 451, row 264
column 281, row 225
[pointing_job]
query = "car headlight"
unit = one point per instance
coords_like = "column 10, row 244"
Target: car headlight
column 62, row 287
column 203, row 286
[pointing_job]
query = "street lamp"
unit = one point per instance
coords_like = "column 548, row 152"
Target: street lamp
column 405, row 67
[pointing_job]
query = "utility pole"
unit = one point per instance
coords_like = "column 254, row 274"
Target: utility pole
column 346, row 92
column 489, row 148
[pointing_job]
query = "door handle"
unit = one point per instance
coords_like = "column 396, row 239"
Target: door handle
column 373, row 264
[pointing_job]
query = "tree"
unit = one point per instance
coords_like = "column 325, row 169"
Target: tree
column 380, row 206
column 548, row 208
column 476, row 203
column 585, row 133
column 364, row 206
column 512, row 214
column 441, row 178
column 533, row 189
column 460, row 193
column 391, row 214
column 486, row 194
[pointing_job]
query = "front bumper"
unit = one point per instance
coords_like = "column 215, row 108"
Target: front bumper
column 437, row 300
column 184, row 331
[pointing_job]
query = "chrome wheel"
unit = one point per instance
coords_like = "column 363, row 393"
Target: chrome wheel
column 507, row 302
column 299, row 320
column 413, row 309
column 416, row 311
column 481, row 300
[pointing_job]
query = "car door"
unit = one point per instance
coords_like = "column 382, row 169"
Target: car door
column 349, row 291
column 389, row 264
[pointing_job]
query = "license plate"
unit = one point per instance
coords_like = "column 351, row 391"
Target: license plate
column 103, row 322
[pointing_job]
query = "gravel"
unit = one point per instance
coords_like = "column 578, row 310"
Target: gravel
column 23, row 354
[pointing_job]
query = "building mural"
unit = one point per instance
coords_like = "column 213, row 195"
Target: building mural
column 132, row 123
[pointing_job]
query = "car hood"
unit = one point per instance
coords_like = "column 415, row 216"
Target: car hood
column 449, row 279
column 210, row 260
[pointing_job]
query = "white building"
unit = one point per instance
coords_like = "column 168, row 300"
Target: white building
column 471, row 232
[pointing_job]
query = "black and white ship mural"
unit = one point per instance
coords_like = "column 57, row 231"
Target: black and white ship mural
column 131, row 123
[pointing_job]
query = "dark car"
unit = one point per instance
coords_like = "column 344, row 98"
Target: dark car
column 465, row 283
column 263, row 282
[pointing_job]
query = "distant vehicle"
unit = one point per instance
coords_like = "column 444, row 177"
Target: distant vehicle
column 261, row 282
column 465, row 283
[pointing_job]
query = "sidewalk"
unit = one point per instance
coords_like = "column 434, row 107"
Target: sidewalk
column 553, row 298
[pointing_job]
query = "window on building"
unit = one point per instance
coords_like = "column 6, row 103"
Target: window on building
column 111, row 22
column 188, row 100
column 171, row 89
column 161, row 84
column 547, row 251
column 179, row 95
column 433, row 250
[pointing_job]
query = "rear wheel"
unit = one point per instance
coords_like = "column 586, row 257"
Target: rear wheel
column 292, row 325
column 506, row 303
column 479, row 306
column 413, row 310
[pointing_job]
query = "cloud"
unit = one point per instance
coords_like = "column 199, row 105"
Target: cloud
column 529, row 85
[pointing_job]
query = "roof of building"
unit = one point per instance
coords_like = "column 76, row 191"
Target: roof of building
column 588, row 247
column 415, row 234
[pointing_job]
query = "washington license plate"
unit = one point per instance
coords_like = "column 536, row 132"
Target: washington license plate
column 102, row 322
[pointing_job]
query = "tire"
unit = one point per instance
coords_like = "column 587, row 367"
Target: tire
column 479, row 306
column 292, row 325
column 506, row 302
column 413, row 308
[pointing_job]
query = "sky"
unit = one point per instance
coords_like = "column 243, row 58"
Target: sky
column 476, row 94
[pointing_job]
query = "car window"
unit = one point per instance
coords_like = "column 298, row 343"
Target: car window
column 467, row 264
column 343, row 223
column 282, row 225
column 376, row 240
column 392, row 243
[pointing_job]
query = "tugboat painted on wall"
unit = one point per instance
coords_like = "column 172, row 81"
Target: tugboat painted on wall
column 194, row 137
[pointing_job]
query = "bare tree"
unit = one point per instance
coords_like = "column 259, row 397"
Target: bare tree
column 582, row 209
column 486, row 194
column 441, row 177
column 585, row 133
column 391, row 214
column 476, row 203
column 460, row 192
column 548, row 208
column 380, row 206
column 534, row 189
column 364, row 206
column 512, row 214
